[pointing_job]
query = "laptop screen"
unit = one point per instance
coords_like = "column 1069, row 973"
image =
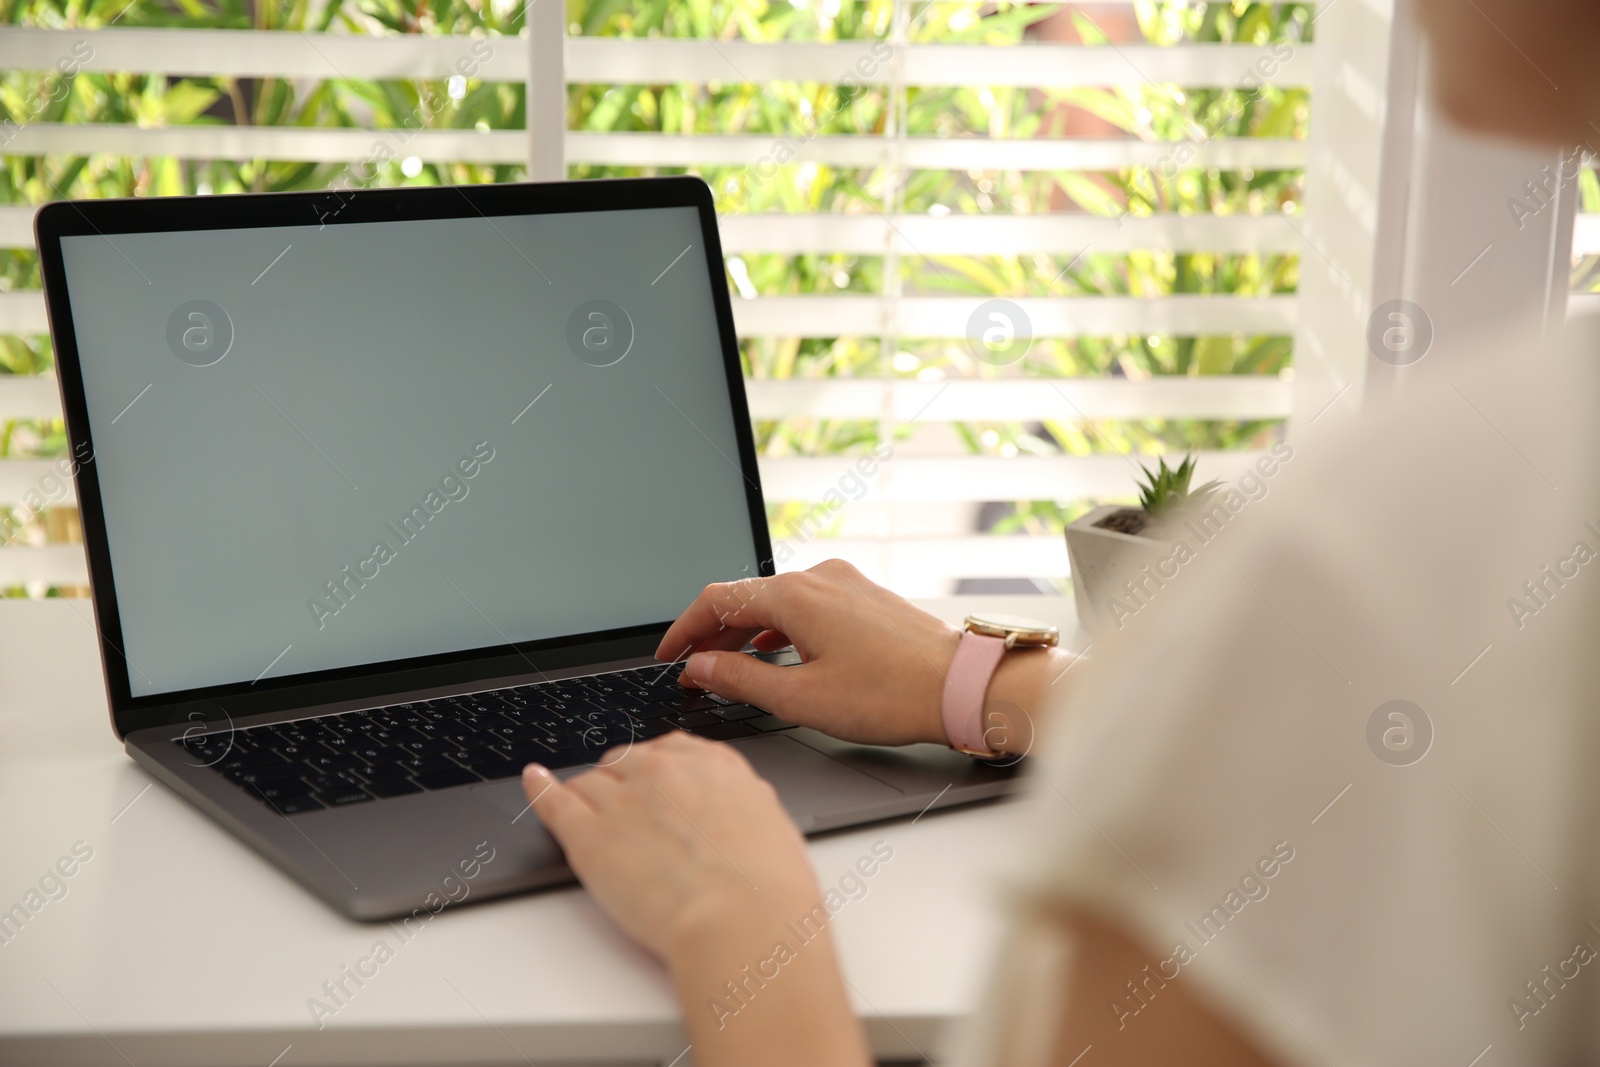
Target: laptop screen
column 323, row 447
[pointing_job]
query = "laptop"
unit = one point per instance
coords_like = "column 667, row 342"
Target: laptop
column 388, row 493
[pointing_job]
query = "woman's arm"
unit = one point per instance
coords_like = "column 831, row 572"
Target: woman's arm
column 874, row 664
column 692, row 855
column 695, row 859
column 1171, row 1026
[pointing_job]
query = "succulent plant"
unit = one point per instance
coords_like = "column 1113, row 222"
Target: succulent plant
column 1166, row 489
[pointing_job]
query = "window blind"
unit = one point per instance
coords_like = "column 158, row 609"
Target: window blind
column 916, row 524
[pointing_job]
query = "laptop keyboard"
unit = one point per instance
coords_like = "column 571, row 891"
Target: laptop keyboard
column 360, row 756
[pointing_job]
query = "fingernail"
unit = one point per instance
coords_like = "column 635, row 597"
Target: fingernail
column 534, row 771
column 698, row 668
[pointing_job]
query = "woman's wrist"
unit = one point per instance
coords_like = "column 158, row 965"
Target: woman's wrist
column 1020, row 691
column 761, row 985
column 735, row 917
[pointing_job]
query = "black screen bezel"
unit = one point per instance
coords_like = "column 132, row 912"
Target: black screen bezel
column 340, row 207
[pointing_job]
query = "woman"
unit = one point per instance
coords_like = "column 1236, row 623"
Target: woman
column 1238, row 854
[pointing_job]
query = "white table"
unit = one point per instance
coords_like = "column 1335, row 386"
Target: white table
column 175, row 944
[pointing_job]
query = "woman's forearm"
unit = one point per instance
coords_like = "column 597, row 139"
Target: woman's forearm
column 767, row 991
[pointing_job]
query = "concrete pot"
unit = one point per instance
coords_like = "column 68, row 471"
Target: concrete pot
column 1101, row 561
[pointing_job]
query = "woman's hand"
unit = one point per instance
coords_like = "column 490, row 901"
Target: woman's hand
column 674, row 837
column 690, row 852
column 874, row 664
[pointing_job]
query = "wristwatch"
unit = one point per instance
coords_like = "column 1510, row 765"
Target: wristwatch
column 986, row 638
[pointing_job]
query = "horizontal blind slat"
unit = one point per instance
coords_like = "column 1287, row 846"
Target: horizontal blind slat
column 650, row 60
column 16, row 226
column 23, row 312
column 929, row 479
column 1586, row 235
column 589, row 60
column 963, row 235
column 56, row 564
column 1586, row 304
column 328, row 145
column 938, row 316
column 29, row 396
column 999, row 235
column 1218, row 397
column 32, row 480
column 928, row 153
column 290, row 143
column 263, row 53
column 903, row 478
column 947, row 558
column 1069, row 400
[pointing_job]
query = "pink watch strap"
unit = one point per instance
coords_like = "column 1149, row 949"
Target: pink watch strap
column 977, row 657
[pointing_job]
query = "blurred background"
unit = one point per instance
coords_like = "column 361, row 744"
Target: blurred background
column 1129, row 175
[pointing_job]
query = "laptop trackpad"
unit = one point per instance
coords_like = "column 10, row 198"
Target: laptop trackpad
column 810, row 783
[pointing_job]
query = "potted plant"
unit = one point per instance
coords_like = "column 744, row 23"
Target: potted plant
column 1122, row 556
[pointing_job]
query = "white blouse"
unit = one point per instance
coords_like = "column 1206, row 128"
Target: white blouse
column 1343, row 771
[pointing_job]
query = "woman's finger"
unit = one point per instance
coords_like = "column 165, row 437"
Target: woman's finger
column 729, row 640
column 565, row 813
column 751, row 605
column 748, row 680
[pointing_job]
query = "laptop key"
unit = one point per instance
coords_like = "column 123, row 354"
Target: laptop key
column 426, row 764
column 331, row 783
column 276, row 773
column 571, row 757
column 243, row 761
column 653, row 711
column 334, row 761
column 300, row 751
column 492, row 769
column 725, row 731
column 521, row 755
column 284, row 790
column 211, row 751
column 435, row 714
column 691, row 702
column 296, row 805
column 692, row 719
column 379, row 771
column 392, row 787
column 444, row 779
column 349, row 794
column 397, row 735
column 615, row 701
column 768, row 723
column 737, row 712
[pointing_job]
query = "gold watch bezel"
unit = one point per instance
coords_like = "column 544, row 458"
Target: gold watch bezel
column 1016, row 631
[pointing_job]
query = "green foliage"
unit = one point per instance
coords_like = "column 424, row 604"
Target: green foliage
column 1166, row 489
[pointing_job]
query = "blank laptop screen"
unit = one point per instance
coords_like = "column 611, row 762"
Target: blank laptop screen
column 326, row 447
